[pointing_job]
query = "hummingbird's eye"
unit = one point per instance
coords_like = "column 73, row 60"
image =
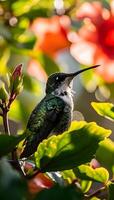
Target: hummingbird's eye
column 59, row 78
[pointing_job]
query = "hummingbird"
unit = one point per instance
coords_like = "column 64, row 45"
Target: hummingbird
column 53, row 115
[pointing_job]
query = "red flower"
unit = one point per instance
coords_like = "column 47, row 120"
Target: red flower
column 94, row 43
column 51, row 33
column 16, row 82
column 52, row 37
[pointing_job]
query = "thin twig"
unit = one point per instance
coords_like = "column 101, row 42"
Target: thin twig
column 5, row 121
column 4, row 115
column 96, row 193
column 16, row 163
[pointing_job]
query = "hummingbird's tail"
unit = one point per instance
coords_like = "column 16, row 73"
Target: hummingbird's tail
column 31, row 144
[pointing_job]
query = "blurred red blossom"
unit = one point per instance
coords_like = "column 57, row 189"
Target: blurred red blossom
column 51, row 36
column 94, row 42
column 39, row 182
column 51, row 33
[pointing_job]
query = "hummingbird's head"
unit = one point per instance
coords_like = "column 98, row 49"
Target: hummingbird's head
column 62, row 81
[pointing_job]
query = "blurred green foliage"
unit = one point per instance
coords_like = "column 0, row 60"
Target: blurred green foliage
column 11, row 181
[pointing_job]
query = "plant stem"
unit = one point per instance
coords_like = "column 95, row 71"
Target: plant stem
column 7, row 131
column 97, row 193
column 5, row 122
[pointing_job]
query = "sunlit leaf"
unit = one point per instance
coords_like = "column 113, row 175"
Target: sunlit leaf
column 8, row 143
column 85, row 172
column 94, row 198
column 68, row 175
column 85, row 185
column 11, row 184
column 38, row 12
column 73, row 148
column 23, row 6
column 27, row 39
column 104, row 109
column 57, row 192
column 3, row 61
column 105, row 153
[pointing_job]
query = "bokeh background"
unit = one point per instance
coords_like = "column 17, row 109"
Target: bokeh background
column 56, row 35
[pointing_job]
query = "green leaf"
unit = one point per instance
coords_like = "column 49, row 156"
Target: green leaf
column 23, row 6
column 85, row 185
column 68, row 175
column 85, row 172
column 58, row 192
column 11, row 184
column 70, row 149
column 105, row 153
column 7, row 143
column 111, row 191
column 3, row 92
column 104, row 109
column 38, row 12
column 95, row 198
column 4, row 58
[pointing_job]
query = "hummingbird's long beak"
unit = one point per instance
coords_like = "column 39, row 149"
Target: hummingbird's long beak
column 82, row 70
column 72, row 75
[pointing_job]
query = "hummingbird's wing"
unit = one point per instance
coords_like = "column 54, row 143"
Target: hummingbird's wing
column 42, row 121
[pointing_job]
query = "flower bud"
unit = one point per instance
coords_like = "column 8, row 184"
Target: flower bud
column 19, row 88
column 17, row 73
column 16, row 80
column 3, row 93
